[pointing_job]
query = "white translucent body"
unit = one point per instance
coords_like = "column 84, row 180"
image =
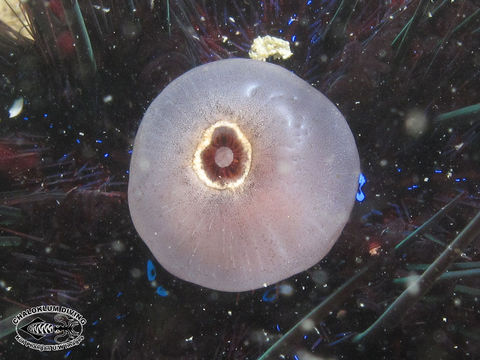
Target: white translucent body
column 291, row 208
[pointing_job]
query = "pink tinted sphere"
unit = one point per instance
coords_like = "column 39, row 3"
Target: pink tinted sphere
column 283, row 216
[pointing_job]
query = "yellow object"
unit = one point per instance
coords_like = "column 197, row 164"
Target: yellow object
column 264, row 47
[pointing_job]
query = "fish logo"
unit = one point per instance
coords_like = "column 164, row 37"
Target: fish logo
column 49, row 328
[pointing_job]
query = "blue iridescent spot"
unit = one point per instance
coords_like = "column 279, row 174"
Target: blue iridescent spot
column 361, row 181
column 151, row 272
column 267, row 297
column 161, row 291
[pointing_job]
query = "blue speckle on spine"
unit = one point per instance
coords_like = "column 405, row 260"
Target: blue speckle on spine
column 361, row 181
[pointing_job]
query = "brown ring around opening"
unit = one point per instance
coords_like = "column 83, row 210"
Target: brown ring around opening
column 223, row 156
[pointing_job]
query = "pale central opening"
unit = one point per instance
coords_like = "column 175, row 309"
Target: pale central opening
column 223, row 156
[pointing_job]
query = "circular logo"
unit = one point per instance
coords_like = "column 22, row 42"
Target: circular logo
column 49, row 328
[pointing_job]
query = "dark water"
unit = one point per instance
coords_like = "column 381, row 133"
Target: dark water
column 405, row 75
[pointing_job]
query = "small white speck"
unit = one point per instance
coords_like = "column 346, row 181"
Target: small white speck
column 107, row 99
column 16, row 108
column 307, row 325
column 286, row 289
